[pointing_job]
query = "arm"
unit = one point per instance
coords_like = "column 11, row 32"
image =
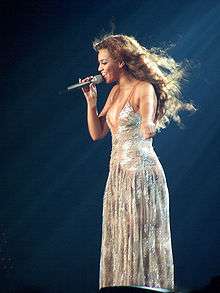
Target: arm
column 94, row 122
column 147, row 108
column 97, row 125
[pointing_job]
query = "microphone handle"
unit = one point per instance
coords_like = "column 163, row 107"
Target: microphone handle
column 74, row 86
column 96, row 80
column 82, row 84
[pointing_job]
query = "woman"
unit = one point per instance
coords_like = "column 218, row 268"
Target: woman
column 136, row 241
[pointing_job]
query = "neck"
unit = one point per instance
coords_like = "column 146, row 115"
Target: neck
column 125, row 81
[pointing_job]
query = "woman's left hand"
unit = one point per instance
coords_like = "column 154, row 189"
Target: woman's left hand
column 148, row 129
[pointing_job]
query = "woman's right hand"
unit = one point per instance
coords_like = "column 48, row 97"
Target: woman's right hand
column 90, row 92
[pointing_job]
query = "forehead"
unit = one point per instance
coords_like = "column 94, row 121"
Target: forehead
column 103, row 54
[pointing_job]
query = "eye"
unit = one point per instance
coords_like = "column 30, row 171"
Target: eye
column 103, row 62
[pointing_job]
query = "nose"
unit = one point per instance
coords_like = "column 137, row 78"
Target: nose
column 100, row 68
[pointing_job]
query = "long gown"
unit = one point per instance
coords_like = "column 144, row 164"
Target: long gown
column 136, row 241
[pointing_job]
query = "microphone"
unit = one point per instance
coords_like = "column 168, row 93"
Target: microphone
column 96, row 80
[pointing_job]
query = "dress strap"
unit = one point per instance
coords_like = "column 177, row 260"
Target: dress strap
column 117, row 91
column 132, row 91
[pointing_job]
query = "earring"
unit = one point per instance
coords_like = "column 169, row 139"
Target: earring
column 122, row 64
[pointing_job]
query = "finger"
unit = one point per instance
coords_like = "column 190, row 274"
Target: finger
column 148, row 134
column 92, row 85
column 88, row 78
column 80, row 81
column 85, row 79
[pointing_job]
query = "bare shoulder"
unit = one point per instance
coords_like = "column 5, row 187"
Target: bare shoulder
column 145, row 88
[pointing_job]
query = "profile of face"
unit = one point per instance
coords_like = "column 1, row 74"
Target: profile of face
column 109, row 68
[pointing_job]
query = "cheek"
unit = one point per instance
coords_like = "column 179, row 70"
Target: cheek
column 109, row 68
column 112, row 70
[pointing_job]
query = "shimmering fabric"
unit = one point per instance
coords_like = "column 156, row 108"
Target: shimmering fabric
column 136, row 244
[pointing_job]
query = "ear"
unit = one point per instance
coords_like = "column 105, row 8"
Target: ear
column 121, row 64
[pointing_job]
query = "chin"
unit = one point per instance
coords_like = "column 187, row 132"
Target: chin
column 108, row 81
column 111, row 80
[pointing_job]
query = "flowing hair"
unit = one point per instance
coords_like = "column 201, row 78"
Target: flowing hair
column 152, row 65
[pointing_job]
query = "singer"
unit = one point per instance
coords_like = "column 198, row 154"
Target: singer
column 136, row 240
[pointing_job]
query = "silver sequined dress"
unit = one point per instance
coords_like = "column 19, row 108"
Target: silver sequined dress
column 136, row 242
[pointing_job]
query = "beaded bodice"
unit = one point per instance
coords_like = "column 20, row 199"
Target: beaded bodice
column 128, row 145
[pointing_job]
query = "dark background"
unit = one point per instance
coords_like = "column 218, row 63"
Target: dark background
column 52, row 173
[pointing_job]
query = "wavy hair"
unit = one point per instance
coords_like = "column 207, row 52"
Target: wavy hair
column 152, row 65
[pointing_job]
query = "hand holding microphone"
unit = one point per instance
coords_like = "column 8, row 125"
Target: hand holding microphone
column 85, row 84
column 89, row 90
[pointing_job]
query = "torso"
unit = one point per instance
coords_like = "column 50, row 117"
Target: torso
column 119, row 100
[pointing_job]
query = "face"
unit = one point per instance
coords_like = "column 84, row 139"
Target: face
column 109, row 68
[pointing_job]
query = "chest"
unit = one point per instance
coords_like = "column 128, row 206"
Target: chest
column 118, row 105
column 123, row 116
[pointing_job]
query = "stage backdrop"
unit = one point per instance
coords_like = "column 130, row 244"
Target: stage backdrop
column 53, row 175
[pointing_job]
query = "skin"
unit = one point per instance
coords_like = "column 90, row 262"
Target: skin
column 143, row 99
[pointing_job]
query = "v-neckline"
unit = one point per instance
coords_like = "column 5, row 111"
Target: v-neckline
column 127, row 100
column 114, row 126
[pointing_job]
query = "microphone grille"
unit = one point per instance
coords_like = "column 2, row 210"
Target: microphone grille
column 97, row 79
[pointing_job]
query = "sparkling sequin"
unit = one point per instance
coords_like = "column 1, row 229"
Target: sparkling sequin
column 136, row 243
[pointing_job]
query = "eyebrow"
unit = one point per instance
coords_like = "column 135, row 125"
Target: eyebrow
column 106, row 59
